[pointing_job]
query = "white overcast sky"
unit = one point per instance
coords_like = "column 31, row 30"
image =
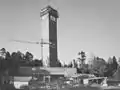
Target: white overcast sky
column 88, row 25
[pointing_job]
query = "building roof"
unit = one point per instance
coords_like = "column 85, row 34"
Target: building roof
column 22, row 79
column 28, row 71
column 68, row 72
column 55, row 70
column 40, row 71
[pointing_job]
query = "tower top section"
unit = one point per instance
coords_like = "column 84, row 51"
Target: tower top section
column 49, row 10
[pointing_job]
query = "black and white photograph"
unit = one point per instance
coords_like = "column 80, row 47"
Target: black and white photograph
column 59, row 44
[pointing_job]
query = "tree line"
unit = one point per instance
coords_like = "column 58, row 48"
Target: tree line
column 10, row 63
column 96, row 65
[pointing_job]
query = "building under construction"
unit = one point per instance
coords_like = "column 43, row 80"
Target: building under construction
column 49, row 17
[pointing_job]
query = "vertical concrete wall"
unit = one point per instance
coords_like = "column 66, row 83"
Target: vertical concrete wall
column 45, row 36
column 53, row 40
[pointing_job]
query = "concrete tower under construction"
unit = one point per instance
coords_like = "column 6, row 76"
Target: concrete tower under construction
column 49, row 17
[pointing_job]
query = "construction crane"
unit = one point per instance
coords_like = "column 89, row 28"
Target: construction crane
column 41, row 43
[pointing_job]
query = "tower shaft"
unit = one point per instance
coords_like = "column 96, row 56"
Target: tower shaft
column 49, row 32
